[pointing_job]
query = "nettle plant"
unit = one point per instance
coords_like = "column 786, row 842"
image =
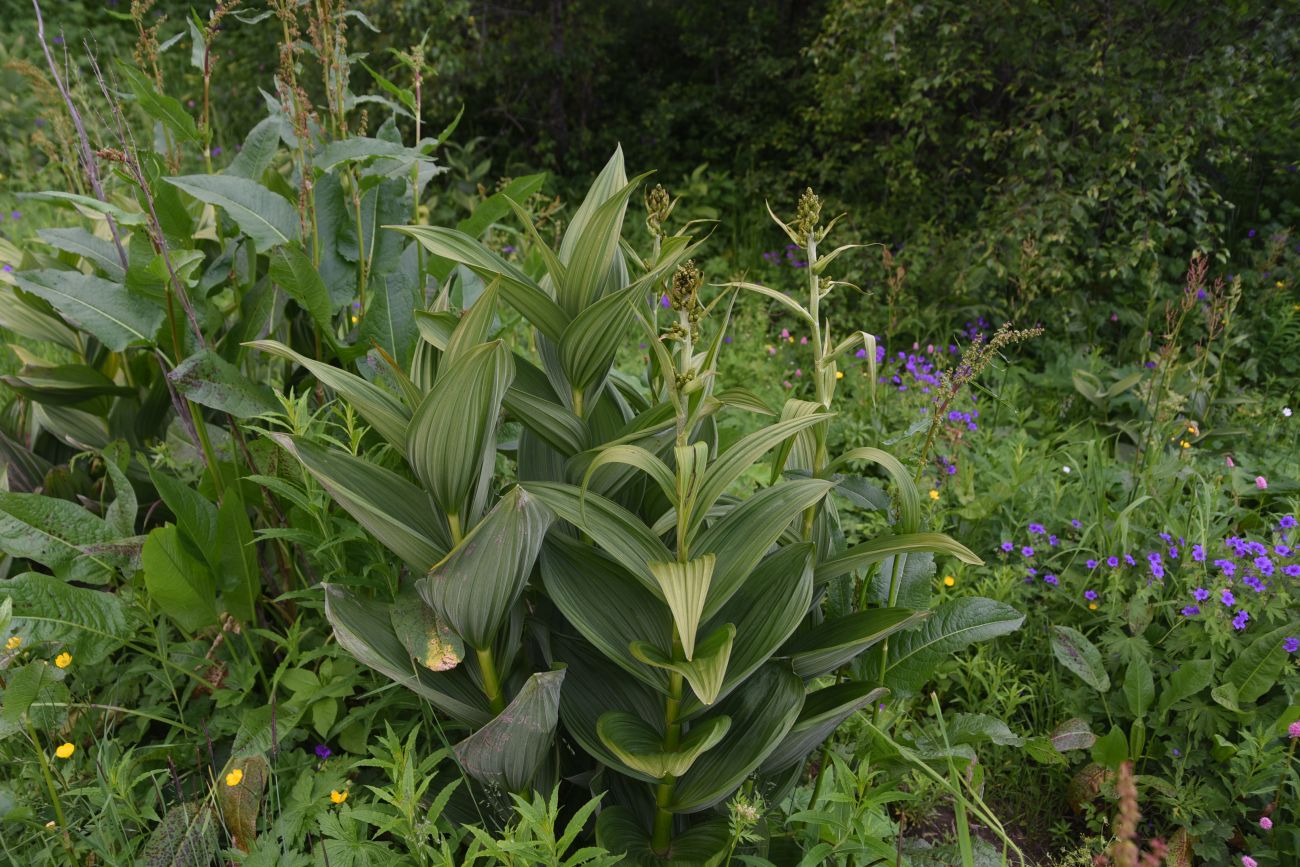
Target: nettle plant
column 623, row 607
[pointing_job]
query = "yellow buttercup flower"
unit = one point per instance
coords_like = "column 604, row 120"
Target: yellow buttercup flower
column 14, row 642
column 949, row 581
column 63, row 660
column 337, row 797
column 65, row 751
column 839, row 374
column 1092, row 606
column 934, row 495
column 1185, row 444
column 235, row 777
column 1279, row 284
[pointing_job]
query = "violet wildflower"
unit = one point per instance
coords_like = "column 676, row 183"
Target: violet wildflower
column 1007, row 546
column 1291, row 644
column 1027, row 551
column 1283, row 550
column 1287, row 522
column 1201, row 594
column 1239, row 622
column 1090, row 563
column 1051, row 579
column 1198, row 553
column 1112, row 561
column 1227, row 598
column 1227, row 567
column 1128, row 558
column 1036, row 529
column 1191, row 611
column 1053, row 541
column 1266, row 823
column 1090, row 595
column 323, row 752
column 1076, row 524
column 1264, row 565
column 1292, row 571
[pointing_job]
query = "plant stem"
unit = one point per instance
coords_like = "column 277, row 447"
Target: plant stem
column 663, row 827
column 491, row 685
column 54, row 794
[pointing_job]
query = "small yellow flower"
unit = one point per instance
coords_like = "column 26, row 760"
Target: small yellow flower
column 50, row 824
column 934, row 495
column 1279, row 284
column 839, row 374
column 235, row 777
column 949, row 581
column 1185, row 444
column 14, row 642
column 1193, row 429
column 63, row 660
column 789, row 339
column 337, row 797
column 65, row 751
column 1092, row 606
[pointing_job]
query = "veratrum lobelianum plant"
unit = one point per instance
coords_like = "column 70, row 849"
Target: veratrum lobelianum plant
column 622, row 614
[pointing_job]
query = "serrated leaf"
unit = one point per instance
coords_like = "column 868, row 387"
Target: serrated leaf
column 914, row 655
column 1073, row 650
column 265, row 217
column 107, row 310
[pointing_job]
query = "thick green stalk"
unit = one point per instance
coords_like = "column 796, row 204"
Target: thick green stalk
column 491, row 684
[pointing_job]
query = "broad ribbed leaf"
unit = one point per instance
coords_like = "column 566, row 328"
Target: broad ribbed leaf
column 595, row 686
column 685, row 586
column 209, row 380
column 914, row 655
column 735, row 461
column 258, row 150
column 640, row 746
column 590, row 258
column 63, row 536
column 744, row 536
column 606, row 604
column 638, row 457
column 265, row 217
column 551, row 421
column 909, row 498
column 497, row 205
column 592, row 339
column 822, row 713
column 1258, row 667
column 825, row 647
column 32, row 319
column 860, row 556
column 762, row 712
column 364, row 629
column 703, row 845
column 474, row 588
column 395, row 511
column 508, row 750
column 107, row 310
column 766, row 610
column 518, row 288
column 611, row 179
column 797, row 452
column 90, row 247
column 89, row 623
column 292, row 270
column 555, row 269
column 178, row 584
column 425, row 636
column 1073, row 650
column 704, row 671
column 453, row 431
column 473, row 327
column 381, row 409
column 617, row 531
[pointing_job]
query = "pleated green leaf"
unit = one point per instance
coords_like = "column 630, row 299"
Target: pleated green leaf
column 395, row 511
column 612, row 177
column 591, row 341
column 364, row 629
column 766, row 611
column 744, row 535
column 638, row 457
column 453, row 430
column 508, row 751
column 909, row 498
column 735, row 461
column 685, row 587
column 822, row 713
column 595, row 686
column 592, row 255
column 860, row 556
column 473, row 327
column 606, row 604
column 474, row 588
column 797, row 452
column 385, row 412
column 517, row 287
column 762, row 711
column 425, row 636
column 703, row 845
column 640, row 746
column 704, row 671
column 619, row 533
column 825, row 647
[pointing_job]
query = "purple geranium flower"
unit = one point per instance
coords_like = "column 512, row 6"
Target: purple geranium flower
column 1008, row 547
column 1090, row 595
column 1227, row 598
column 1201, row 594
